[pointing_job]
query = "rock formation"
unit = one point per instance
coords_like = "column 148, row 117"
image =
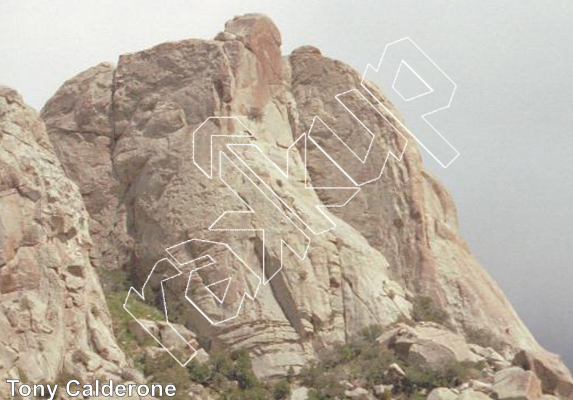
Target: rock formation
column 54, row 321
column 124, row 135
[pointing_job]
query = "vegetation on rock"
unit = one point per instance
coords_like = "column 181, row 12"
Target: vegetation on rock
column 363, row 363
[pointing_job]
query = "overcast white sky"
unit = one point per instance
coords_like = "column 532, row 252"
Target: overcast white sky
column 511, row 118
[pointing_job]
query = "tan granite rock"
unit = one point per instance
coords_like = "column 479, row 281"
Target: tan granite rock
column 516, row 384
column 53, row 315
column 443, row 394
column 125, row 136
column 549, row 368
column 429, row 345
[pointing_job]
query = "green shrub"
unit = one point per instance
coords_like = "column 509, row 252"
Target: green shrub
column 113, row 280
column 313, row 394
column 116, row 284
column 324, row 381
column 483, row 338
column 309, row 375
column 371, row 333
column 339, row 354
column 243, row 372
column 387, row 395
column 451, row 375
column 417, row 396
column 258, row 393
column 281, row 390
column 365, row 361
column 120, row 320
column 222, row 363
column 424, row 309
column 200, row 373
column 374, row 368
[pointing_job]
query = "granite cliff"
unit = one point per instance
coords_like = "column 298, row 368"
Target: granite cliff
column 104, row 181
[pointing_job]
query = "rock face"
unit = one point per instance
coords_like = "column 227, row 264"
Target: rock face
column 125, row 136
column 429, row 345
column 516, row 384
column 163, row 199
column 549, row 369
column 442, row 394
column 79, row 124
column 406, row 215
column 53, row 316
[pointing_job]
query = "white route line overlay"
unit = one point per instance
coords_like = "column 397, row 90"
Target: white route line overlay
column 376, row 69
column 251, row 211
column 430, row 90
column 286, row 175
column 222, row 299
column 210, row 174
column 362, row 160
column 211, row 263
column 142, row 294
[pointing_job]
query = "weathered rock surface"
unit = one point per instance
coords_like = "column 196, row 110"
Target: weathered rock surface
column 124, row 135
column 163, row 332
column 78, row 121
column 472, row 395
column 407, row 214
column 442, row 394
column 160, row 96
column 516, row 384
column 429, row 345
column 53, row 316
column 549, row 368
column 299, row 393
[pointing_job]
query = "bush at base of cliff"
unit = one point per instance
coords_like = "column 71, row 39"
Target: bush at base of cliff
column 115, row 284
column 364, row 364
column 424, row 310
column 281, row 390
column 483, row 338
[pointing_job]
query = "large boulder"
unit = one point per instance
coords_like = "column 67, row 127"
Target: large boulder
column 555, row 378
column 443, row 394
column 472, row 395
column 516, row 384
column 429, row 345
column 496, row 360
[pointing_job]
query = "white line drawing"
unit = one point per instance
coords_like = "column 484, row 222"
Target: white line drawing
column 177, row 273
column 430, row 90
column 363, row 160
column 358, row 181
column 212, row 262
column 287, row 175
column 141, row 296
column 221, row 299
column 210, row 173
column 223, row 156
column 404, row 43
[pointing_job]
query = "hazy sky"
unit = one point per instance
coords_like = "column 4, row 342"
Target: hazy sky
column 511, row 118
